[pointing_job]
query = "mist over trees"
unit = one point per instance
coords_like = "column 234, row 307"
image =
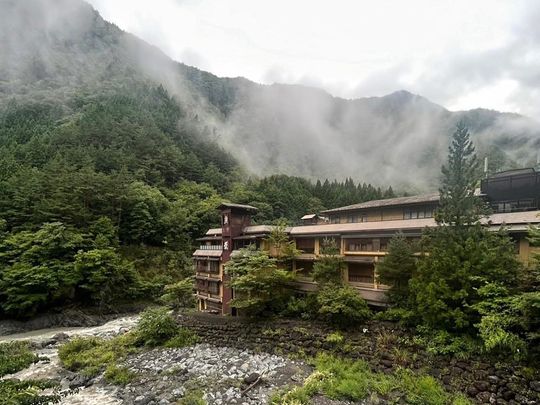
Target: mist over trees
column 56, row 50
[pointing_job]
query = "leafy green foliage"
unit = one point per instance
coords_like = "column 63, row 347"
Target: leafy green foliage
column 447, row 282
column 328, row 270
column 183, row 337
column 54, row 264
column 15, row 356
column 342, row 305
column 91, row 356
column 180, row 294
column 156, row 326
column 397, row 268
column 509, row 322
column 344, row 379
column 118, row 375
column 29, row 392
column 260, row 286
column 280, row 246
column 463, row 255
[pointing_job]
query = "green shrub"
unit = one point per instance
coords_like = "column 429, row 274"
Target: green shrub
column 29, row 392
column 401, row 315
column 156, row 326
column 304, row 307
column 15, row 356
column 194, row 397
column 334, row 338
column 179, row 295
column 184, row 337
column 342, row 306
column 118, row 375
column 345, row 379
column 441, row 342
column 91, row 355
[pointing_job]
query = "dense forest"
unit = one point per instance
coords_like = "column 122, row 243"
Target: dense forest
column 102, row 197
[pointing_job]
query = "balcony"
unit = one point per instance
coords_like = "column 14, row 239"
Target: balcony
column 209, row 295
column 211, row 247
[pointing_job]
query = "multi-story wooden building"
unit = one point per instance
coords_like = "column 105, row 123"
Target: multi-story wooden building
column 361, row 232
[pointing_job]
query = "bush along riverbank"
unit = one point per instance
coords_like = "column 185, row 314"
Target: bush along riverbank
column 382, row 347
column 193, row 358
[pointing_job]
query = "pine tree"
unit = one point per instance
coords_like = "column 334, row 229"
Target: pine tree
column 396, row 269
column 459, row 206
column 464, row 256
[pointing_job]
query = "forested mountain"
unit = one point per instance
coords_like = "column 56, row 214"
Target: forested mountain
column 110, row 167
column 57, row 50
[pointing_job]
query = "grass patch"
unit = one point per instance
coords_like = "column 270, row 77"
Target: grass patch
column 28, row 392
column 335, row 338
column 90, row 356
column 15, row 356
column 344, row 379
column 193, row 397
column 184, row 337
column 118, row 375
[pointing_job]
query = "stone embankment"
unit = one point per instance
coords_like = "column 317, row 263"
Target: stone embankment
column 384, row 346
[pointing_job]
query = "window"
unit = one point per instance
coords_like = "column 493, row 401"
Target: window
column 352, row 218
column 214, row 267
column 360, row 245
column 334, row 219
column 307, row 245
column 418, row 213
column 202, row 265
column 361, row 273
column 213, row 288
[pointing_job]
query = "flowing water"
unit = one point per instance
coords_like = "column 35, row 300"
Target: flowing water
column 50, row 369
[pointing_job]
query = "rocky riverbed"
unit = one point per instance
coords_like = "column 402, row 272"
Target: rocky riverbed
column 163, row 376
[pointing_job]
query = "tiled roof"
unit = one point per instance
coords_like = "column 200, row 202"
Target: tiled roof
column 507, row 218
column 416, row 199
column 363, row 226
column 207, row 253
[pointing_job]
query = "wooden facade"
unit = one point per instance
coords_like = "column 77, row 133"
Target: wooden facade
column 361, row 233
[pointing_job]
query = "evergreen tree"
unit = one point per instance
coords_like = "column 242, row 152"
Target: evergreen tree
column 463, row 256
column 396, row 269
column 458, row 205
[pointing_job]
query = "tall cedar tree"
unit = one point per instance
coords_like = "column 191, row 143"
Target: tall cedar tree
column 459, row 206
column 397, row 268
column 464, row 256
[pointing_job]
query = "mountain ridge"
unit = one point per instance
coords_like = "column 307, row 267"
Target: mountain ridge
column 276, row 128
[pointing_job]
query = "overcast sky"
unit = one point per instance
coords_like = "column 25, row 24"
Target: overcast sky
column 459, row 53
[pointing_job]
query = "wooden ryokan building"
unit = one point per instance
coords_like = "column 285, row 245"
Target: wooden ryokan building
column 362, row 232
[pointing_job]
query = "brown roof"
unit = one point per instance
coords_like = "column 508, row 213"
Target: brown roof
column 362, row 226
column 207, row 253
column 240, row 206
column 495, row 220
column 521, row 219
column 416, row 199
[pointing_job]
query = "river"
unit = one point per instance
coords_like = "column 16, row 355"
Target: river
column 51, row 369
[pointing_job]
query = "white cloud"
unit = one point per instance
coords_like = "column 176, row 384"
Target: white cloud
column 459, row 53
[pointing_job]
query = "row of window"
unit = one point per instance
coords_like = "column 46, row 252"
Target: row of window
column 208, row 266
column 413, row 213
column 211, row 287
column 514, row 206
